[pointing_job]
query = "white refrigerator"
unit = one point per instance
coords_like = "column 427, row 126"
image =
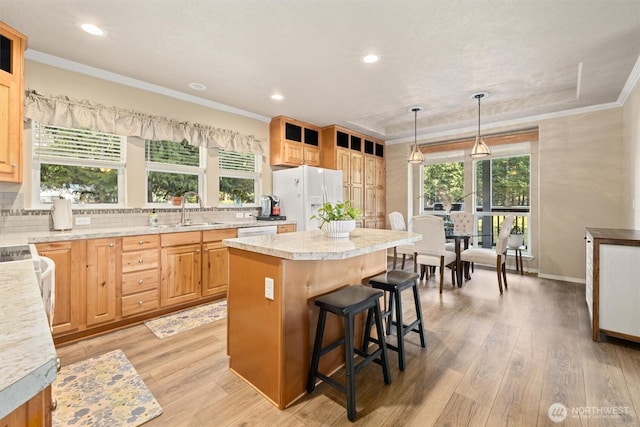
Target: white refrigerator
column 303, row 190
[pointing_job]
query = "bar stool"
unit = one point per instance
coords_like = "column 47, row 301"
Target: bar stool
column 394, row 282
column 347, row 303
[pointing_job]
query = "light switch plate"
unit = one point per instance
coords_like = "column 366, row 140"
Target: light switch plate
column 268, row 288
column 83, row 220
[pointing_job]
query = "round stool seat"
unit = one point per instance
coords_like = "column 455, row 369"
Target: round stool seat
column 348, row 299
column 395, row 278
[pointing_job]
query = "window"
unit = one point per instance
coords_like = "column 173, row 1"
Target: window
column 84, row 166
column 444, row 172
column 239, row 178
column 501, row 187
column 172, row 169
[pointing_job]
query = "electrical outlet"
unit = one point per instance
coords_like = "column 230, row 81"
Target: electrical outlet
column 239, row 215
column 83, row 220
column 247, row 215
column 268, row 288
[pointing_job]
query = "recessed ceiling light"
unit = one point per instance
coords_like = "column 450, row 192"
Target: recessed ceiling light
column 370, row 59
column 197, row 86
column 92, row 29
column 277, row 97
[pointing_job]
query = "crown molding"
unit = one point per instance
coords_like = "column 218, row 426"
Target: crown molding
column 631, row 83
column 65, row 64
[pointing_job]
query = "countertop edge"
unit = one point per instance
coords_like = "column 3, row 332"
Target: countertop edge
column 24, row 389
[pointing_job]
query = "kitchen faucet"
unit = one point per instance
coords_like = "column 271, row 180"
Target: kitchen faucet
column 184, row 219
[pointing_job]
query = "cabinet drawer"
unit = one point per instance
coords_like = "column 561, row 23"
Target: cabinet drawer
column 214, row 235
column 139, row 260
column 134, row 243
column 176, row 239
column 139, row 281
column 286, row 228
column 139, row 303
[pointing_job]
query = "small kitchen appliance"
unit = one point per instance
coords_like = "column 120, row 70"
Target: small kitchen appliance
column 61, row 214
column 270, row 208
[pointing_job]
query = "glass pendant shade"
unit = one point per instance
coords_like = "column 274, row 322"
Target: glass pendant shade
column 416, row 157
column 480, row 149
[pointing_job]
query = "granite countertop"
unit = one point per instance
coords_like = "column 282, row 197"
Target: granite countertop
column 314, row 245
column 98, row 233
column 27, row 353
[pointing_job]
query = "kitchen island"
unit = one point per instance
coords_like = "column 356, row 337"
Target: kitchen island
column 27, row 354
column 271, row 315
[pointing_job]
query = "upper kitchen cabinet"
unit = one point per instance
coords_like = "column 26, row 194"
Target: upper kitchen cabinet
column 12, row 46
column 361, row 160
column 293, row 143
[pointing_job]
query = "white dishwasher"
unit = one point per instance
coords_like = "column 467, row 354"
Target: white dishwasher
column 257, row 231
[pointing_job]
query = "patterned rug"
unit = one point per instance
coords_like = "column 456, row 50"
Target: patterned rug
column 184, row 320
column 102, row 391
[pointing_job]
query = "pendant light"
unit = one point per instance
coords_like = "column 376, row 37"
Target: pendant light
column 480, row 149
column 416, row 156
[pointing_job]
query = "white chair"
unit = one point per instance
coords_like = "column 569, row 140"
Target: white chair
column 397, row 223
column 462, row 226
column 495, row 257
column 430, row 251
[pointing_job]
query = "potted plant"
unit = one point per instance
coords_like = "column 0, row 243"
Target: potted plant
column 337, row 219
column 516, row 238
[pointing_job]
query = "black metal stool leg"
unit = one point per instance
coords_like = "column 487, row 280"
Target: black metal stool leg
column 351, row 374
column 317, row 347
column 399, row 330
column 384, row 358
column 416, row 299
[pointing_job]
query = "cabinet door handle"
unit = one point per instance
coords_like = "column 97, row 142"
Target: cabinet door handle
column 58, row 364
column 141, row 242
column 140, row 261
column 140, row 302
column 54, row 404
column 140, row 282
column 111, row 245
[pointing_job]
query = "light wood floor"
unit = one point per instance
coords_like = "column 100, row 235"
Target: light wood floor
column 490, row 360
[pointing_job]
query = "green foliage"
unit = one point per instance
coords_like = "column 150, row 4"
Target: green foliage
column 449, row 176
column 339, row 211
column 163, row 185
column 510, row 181
column 88, row 184
column 236, row 188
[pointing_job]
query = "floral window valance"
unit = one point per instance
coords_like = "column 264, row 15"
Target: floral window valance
column 63, row 111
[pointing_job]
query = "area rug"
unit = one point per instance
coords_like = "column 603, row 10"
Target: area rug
column 102, row 391
column 184, row 320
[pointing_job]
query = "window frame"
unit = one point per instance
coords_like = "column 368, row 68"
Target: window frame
column 38, row 159
column 199, row 171
column 256, row 175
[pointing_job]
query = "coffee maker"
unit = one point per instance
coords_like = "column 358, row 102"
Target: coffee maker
column 270, row 208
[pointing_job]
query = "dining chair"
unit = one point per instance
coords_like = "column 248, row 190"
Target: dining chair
column 463, row 225
column 430, row 251
column 496, row 256
column 397, row 223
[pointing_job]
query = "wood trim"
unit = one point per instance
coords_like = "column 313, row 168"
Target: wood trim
column 490, row 140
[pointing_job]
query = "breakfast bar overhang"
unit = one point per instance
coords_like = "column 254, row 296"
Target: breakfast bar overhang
column 270, row 333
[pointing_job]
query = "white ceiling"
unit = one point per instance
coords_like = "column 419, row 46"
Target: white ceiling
column 433, row 53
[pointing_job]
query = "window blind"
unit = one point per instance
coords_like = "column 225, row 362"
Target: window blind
column 64, row 143
column 172, row 153
column 237, row 162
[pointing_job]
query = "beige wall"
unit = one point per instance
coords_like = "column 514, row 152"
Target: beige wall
column 631, row 160
column 578, row 184
column 56, row 81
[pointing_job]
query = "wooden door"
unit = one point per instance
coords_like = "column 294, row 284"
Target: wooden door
column 180, row 274
column 69, row 258
column 215, row 269
column 102, row 279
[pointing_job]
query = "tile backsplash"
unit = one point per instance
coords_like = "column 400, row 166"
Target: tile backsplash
column 15, row 219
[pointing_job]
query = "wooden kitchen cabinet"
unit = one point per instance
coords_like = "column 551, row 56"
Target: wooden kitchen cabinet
column 215, row 261
column 36, row 412
column 70, row 287
column 361, row 160
column 180, row 271
column 612, row 293
column 286, row 228
column 293, row 143
column 12, row 48
column 140, row 274
column 101, row 279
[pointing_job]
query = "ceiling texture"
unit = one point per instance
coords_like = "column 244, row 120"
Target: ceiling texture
column 536, row 58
